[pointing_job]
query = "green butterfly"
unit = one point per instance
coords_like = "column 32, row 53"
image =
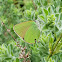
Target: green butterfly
column 28, row 31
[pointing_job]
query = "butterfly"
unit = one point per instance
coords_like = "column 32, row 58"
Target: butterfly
column 28, row 31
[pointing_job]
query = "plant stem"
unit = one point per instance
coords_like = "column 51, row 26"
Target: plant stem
column 34, row 5
column 8, row 31
column 56, row 43
column 24, row 60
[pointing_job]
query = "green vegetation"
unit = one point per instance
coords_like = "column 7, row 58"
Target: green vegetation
column 48, row 17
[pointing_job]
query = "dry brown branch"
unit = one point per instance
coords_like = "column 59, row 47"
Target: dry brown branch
column 34, row 5
column 8, row 30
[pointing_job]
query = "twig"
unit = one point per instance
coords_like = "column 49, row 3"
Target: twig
column 34, row 5
column 24, row 60
column 8, row 31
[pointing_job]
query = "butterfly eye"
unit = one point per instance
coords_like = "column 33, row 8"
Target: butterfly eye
column 35, row 39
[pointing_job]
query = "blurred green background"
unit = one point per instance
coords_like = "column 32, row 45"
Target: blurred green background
column 48, row 16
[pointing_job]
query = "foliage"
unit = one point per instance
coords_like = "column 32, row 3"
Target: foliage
column 48, row 16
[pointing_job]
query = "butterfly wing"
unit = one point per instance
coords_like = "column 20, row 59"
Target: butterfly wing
column 32, row 33
column 21, row 28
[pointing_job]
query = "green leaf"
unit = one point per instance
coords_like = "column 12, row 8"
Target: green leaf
column 46, row 12
column 42, row 17
column 49, row 9
column 9, row 49
column 8, row 58
column 51, row 39
column 51, row 60
column 58, row 47
column 17, row 60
